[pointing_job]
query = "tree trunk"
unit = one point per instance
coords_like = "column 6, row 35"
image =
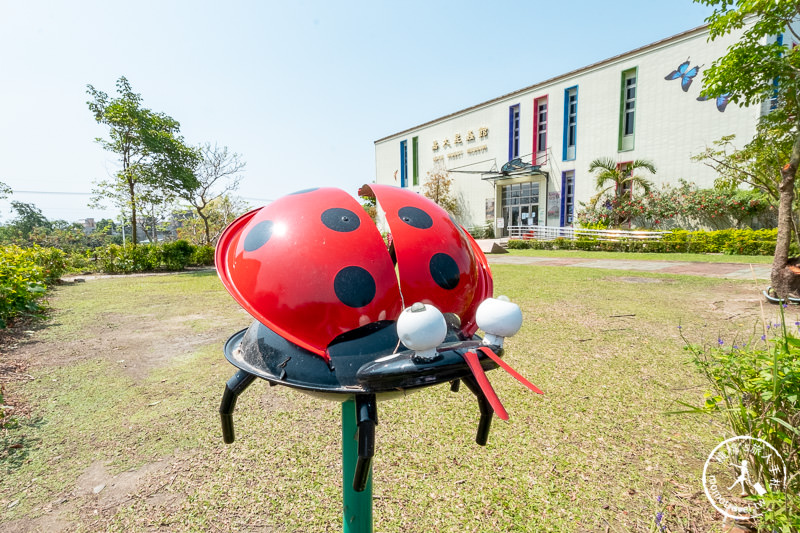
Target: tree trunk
column 785, row 274
column 207, row 228
column 133, row 213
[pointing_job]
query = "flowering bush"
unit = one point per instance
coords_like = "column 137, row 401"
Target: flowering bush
column 755, row 385
column 685, row 206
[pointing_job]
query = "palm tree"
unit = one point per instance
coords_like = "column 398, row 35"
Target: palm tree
column 615, row 180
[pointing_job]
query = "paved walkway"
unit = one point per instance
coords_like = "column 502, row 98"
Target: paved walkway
column 688, row 268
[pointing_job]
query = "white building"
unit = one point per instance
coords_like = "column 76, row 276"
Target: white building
column 523, row 158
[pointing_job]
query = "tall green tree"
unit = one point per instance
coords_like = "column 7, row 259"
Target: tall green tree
column 614, row 181
column 29, row 217
column 757, row 68
column 5, row 191
column 151, row 151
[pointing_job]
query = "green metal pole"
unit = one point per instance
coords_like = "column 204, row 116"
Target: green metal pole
column 357, row 505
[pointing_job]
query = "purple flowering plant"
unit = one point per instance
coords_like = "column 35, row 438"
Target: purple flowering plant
column 755, row 386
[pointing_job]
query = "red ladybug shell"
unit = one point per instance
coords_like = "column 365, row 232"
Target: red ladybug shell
column 312, row 265
column 438, row 262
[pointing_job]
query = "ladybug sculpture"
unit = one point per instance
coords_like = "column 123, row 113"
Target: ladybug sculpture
column 334, row 305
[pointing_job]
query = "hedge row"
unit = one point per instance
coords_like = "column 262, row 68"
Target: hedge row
column 169, row 256
column 729, row 241
column 25, row 274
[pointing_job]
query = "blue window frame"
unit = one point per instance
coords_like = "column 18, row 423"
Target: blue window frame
column 415, row 160
column 513, row 132
column 570, row 123
column 404, row 163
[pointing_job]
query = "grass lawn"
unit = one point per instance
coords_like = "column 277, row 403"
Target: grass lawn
column 703, row 258
column 123, row 431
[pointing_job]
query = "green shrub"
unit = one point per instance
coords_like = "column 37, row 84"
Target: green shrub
column 52, row 260
column 203, row 256
column 81, row 261
column 170, row 256
column 729, row 241
column 483, row 232
column 22, row 282
column 517, row 244
column 176, row 255
column 756, row 386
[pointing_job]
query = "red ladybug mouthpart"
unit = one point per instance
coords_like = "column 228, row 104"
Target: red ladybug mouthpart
column 312, row 265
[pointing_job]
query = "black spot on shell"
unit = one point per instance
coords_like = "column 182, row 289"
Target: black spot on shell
column 303, row 191
column 415, row 217
column 354, row 286
column 444, row 271
column 258, row 236
column 339, row 219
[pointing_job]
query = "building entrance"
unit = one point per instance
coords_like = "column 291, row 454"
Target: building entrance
column 520, row 205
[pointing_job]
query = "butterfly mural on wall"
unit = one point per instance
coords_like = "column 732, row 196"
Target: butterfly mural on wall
column 684, row 73
column 687, row 76
column 722, row 101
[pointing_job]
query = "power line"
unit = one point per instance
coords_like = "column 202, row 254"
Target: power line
column 265, row 200
column 15, row 191
column 54, row 192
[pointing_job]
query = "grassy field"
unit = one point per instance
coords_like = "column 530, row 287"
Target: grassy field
column 129, row 374
column 702, row 258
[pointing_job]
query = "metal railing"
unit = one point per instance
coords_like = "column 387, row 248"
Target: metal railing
column 549, row 233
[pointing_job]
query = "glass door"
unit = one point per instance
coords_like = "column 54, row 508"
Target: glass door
column 520, row 206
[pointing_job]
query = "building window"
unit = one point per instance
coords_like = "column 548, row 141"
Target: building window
column 404, row 163
column 627, row 110
column 568, row 197
column 513, row 132
column 540, row 127
column 415, row 160
column 570, row 123
column 773, row 101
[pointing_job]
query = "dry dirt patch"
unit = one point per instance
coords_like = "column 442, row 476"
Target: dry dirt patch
column 138, row 343
column 98, row 494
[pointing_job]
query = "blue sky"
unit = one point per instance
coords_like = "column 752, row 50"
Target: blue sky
column 300, row 89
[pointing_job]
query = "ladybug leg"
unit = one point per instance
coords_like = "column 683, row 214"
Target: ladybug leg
column 505, row 366
column 483, row 382
column 367, row 419
column 486, row 410
column 233, row 388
